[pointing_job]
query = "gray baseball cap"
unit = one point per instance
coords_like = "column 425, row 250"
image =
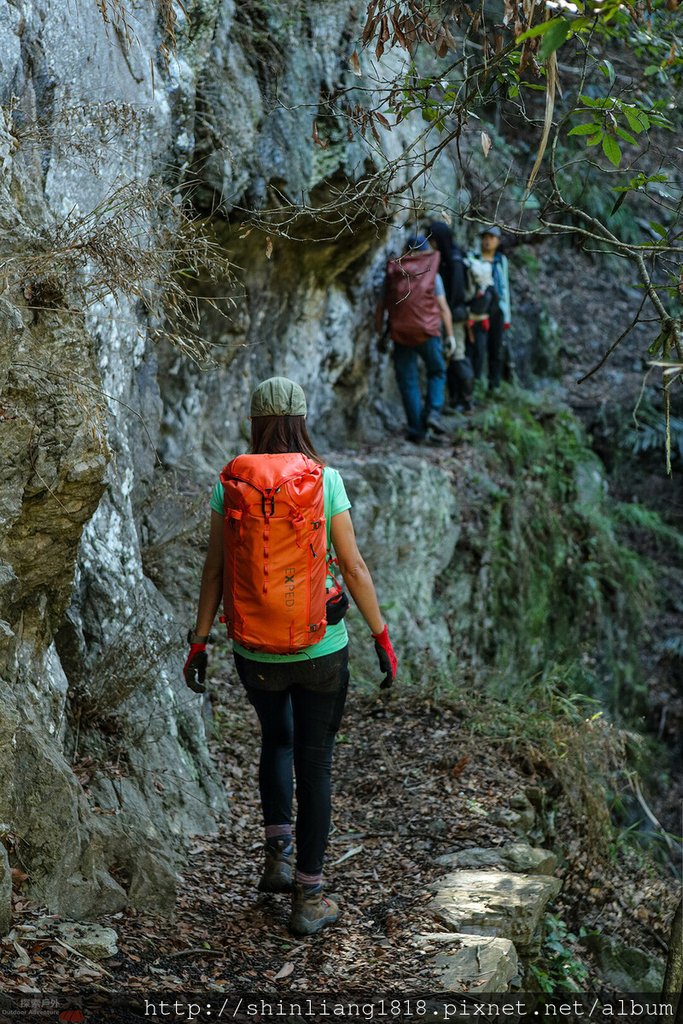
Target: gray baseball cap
column 495, row 231
column 278, row 396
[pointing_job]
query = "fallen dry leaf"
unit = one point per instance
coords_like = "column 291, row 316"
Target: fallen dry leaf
column 284, row 972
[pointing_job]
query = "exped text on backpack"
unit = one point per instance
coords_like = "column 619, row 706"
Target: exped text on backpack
column 275, row 546
column 414, row 313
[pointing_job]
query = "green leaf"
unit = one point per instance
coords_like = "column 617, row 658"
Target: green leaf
column 610, row 148
column 553, row 38
column 620, row 199
column 601, row 102
column 607, row 69
column 539, row 30
column 585, row 129
column 659, row 229
column 638, row 121
column 660, row 121
column 596, row 139
column 625, row 136
column 639, row 181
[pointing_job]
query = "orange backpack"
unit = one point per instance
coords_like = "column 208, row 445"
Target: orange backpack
column 275, row 547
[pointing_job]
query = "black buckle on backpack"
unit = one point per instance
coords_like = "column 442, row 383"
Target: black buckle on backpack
column 266, row 515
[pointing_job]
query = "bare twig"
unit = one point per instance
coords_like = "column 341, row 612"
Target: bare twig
column 614, row 345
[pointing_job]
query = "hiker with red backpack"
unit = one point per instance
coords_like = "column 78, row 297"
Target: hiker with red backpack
column 276, row 515
column 414, row 299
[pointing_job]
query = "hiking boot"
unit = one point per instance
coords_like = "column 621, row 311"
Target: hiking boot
column 437, row 440
column 311, row 911
column 278, row 873
column 435, row 423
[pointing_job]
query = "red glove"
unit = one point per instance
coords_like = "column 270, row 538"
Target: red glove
column 386, row 657
column 506, row 327
column 486, row 324
column 194, row 668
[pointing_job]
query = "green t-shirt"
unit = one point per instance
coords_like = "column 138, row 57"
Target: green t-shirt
column 335, row 638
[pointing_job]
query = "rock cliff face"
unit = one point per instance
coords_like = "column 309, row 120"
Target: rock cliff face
column 109, row 442
column 104, row 763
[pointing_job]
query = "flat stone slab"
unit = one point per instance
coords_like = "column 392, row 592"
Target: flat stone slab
column 463, row 962
column 532, row 860
column 92, row 940
column 496, row 903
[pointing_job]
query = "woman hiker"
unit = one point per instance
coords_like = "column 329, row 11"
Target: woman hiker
column 298, row 695
column 487, row 330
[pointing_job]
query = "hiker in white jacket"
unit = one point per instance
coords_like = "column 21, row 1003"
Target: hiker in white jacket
column 489, row 309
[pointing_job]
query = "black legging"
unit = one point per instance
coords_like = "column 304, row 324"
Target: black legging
column 488, row 344
column 300, row 706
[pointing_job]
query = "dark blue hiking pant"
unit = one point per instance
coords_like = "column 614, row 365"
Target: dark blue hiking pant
column 408, row 379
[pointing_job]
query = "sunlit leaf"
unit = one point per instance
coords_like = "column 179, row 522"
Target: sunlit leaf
column 607, row 69
column 585, row 129
column 610, row 148
column 553, row 38
column 626, row 136
column 539, row 30
column 638, row 121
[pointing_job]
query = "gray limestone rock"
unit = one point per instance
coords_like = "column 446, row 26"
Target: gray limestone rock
column 465, row 963
column 513, row 856
column 80, row 411
column 519, row 816
column 625, row 967
column 420, row 534
column 111, row 442
column 92, row 940
column 494, row 903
